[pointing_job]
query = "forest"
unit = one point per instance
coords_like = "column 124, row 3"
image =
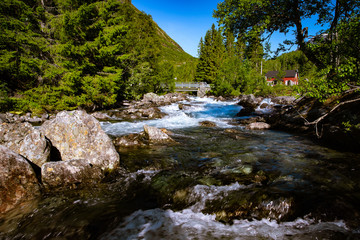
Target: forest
column 328, row 61
column 89, row 54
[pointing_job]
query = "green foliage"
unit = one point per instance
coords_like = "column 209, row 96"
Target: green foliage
column 231, row 65
column 23, row 51
column 335, row 53
column 5, row 102
column 165, row 79
column 340, row 52
column 211, row 56
column 83, row 54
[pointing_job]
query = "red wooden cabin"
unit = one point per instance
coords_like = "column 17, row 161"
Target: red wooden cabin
column 291, row 78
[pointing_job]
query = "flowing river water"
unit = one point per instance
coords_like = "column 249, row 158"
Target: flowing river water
column 224, row 182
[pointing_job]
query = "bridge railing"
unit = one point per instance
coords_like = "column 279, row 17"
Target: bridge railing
column 191, row 85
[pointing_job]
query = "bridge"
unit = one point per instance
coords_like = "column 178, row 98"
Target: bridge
column 200, row 87
column 190, row 86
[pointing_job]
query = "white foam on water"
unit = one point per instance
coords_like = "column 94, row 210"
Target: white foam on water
column 186, row 224
column 201, row 109
column 191, row 223
column 268, row 109
column 203, row 193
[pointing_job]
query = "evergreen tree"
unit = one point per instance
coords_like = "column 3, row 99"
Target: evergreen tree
column 211, row 56
column 90, row 54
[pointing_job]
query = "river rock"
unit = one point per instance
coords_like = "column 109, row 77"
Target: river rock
column 264, row 105
column 251, row 204
column 153, row 100
column 151, row 97
column 131, row 140
column 283, row 100
column 244, row 112
column 70, row 174
column 208, row 124
column 78, row 135
column 102, row 116
column 183, row 106
column 155, row 135
column 3, row 118
column 258, row 126
column 250, row 120
column 249, row 101
column 18, row 181
column 133, row 112
column 24, row 139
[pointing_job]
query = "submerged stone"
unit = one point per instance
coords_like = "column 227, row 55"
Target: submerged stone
column 251, row 204
column 173, row 187
column 131, row 140
column 207, row 124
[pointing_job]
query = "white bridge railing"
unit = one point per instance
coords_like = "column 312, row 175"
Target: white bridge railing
column 183, row 85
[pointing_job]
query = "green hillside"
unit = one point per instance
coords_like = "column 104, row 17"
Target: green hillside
column 67, row 54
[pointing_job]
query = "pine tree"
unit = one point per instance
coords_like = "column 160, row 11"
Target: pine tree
column 211, row 54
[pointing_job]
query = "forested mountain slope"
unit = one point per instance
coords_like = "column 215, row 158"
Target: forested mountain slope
column 65, row 54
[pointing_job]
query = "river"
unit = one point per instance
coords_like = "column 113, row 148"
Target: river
column 224, row 182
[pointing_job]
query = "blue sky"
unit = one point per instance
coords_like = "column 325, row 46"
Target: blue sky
column 187, row 21
column 184, row 21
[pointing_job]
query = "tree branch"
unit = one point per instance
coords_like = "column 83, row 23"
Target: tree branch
column 316, row 122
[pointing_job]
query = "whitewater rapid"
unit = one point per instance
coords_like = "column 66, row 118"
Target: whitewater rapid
column 197, row 110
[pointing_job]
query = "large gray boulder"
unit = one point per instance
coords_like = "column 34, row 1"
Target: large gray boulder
column 24, row 139
column 78, row 135
column 18, row 181
column 70, row 174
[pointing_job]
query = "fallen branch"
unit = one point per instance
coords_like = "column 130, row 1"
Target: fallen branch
column 353, row 88
column 316, row 122
column 325, row 115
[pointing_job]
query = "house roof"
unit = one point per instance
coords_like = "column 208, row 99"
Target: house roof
column 288, row 74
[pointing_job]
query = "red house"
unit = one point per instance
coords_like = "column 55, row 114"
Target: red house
column 291, row 78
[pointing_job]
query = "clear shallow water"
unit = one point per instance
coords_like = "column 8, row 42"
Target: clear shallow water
column 217, row 183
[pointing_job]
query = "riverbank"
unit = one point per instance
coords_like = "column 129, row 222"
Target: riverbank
column 207, row 181
column 334, row 123
column 331, row 123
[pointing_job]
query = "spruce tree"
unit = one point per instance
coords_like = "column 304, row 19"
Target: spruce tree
column 211, row 54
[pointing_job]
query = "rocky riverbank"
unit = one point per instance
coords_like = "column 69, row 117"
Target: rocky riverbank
column 334, row 123
column 68, row 151
column 145, row 109
column 202, row 167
